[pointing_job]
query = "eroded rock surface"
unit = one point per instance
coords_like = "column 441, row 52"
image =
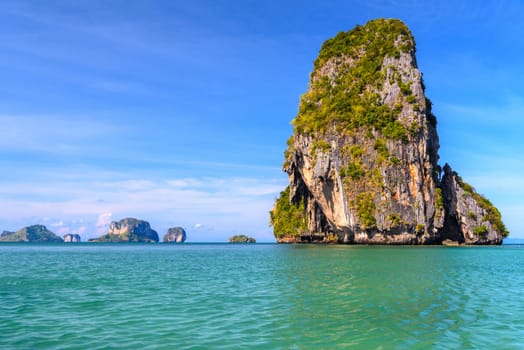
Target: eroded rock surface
column 175, row 235
column 72, row 238
column 129, row 230
column 363, row 158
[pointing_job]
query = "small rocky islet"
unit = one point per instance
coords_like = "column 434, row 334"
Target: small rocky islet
column 72, row 238
column 363, row 160
column 175, row 235
column 241, row 239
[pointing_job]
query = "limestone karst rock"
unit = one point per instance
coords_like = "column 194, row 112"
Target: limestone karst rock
column 363, row 158
column 129, row 230
column 175, row 235
column 72, row 238
column 470, row 218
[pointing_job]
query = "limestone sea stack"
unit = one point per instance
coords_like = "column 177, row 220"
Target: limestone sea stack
column 363, row 158
column 72, row 238
column 175, row 235
column 129, row 230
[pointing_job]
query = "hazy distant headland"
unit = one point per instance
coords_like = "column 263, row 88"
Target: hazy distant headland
column 33, row 233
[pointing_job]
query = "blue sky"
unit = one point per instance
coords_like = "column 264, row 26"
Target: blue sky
column 178, row 112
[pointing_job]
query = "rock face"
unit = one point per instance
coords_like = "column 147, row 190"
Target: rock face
column 34, row 233
column 72, row 238
column 470, row 218
column 363, row 158
column 175, row 235
column 129, row 230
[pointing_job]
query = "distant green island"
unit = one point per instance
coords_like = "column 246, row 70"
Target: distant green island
column 127, row 230
column 241, row 239
column 34, row 233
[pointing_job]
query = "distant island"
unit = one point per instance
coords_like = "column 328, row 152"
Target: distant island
column 33, row 233
column 241, row 239
column 128, row 230
column 175, row 235
column 363, row 158
column 135, row 230
column 72, row 238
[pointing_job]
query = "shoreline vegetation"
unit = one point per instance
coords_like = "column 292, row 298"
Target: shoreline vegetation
column 241, row 239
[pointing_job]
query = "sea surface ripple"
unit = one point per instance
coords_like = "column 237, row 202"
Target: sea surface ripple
column 220, row 296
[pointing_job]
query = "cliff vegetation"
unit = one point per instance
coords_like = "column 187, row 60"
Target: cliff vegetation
column 363, row 158
column 129, row 230
column 33, row 233
column 241, row 239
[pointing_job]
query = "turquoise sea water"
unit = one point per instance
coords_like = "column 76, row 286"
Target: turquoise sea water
column 195, row 296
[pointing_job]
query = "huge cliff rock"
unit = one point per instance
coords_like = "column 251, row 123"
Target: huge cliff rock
column 33, row 233
column 363, row 158
column 129, row 230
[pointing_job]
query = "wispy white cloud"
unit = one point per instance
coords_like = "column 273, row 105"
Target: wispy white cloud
column 51, row 134
column 118, row 86
column 198, row 204
column 104, row 219
column 131, row 185
column 102, row 223
column 114, row 29
column 235, row 185
column 484, row 137
column 499, row 181
column 428, row 14
column 120, row 33
column 507, row 114
column 184, row 183
column 57, row 224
